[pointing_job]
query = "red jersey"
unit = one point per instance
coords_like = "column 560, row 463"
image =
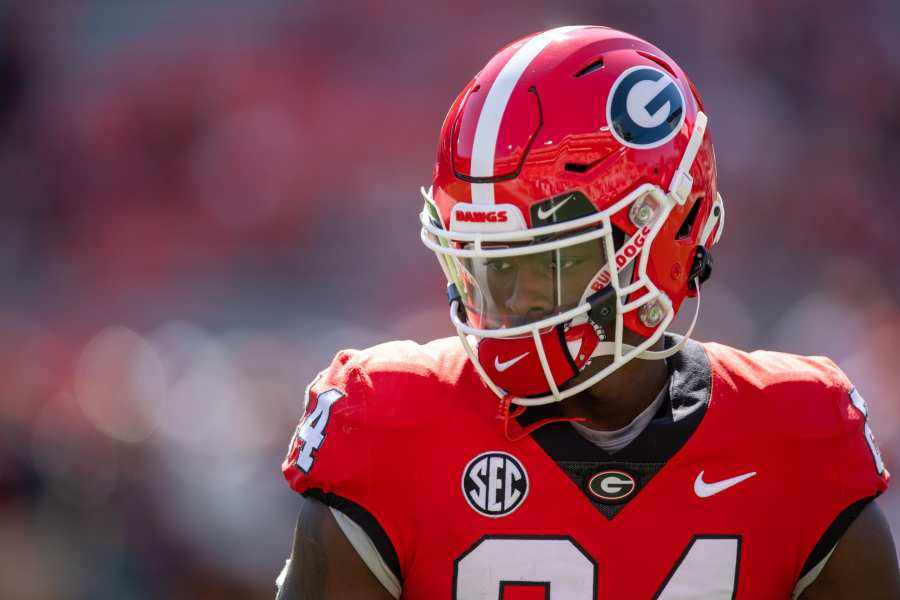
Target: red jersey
column 744, row 480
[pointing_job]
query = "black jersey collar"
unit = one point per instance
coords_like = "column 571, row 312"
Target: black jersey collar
column 677, row 419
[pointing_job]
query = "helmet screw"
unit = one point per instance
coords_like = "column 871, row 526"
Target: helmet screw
column 651, row 314
column 642, row 211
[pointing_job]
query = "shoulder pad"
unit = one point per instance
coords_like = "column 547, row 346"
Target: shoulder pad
column 806, row 406
column 357, row 408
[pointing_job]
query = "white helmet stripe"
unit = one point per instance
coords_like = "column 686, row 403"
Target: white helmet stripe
column 488, row 127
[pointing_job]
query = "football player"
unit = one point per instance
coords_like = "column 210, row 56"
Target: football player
column 564, row 446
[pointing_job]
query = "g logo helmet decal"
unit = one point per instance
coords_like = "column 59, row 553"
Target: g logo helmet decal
column 645, row 108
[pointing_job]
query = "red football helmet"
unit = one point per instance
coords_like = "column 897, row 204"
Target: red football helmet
column 574, row 198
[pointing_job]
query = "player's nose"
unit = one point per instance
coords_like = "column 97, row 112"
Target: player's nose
column 532, row 295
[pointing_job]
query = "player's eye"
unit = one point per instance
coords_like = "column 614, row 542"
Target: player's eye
column 566, row 264
column 499, row 266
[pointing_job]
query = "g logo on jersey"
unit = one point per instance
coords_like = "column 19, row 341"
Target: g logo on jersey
column 611, row 486
column 645, row 108
column 494, row 484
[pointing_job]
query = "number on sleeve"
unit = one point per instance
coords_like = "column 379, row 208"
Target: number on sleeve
column 312, row 430
column 863, row 408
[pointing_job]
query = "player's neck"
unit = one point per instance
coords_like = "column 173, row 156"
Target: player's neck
column 620, row 398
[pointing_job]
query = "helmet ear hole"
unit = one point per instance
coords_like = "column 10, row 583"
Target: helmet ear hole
column 687, row 227
column 701, row 268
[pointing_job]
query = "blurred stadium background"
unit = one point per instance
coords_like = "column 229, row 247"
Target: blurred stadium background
column 203, row 200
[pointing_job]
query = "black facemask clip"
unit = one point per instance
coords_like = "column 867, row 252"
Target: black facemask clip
column 701, row 268
column 454, row 295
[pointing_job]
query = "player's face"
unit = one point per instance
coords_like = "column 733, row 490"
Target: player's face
column 518, row 290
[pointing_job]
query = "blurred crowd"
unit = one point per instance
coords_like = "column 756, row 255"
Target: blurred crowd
column 200, row 202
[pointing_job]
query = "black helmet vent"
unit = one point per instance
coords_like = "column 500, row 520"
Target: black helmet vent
column 594, row 66
column 688, row 226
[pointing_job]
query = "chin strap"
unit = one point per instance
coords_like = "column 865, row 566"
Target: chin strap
column 506, row 416
column 603, row 349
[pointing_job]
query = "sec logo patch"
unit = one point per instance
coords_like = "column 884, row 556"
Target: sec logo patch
column 494, row 484
column 645, row 108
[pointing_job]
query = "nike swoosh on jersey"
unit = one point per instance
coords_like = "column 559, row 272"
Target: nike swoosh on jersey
column 502, row 366
column 546, row 215
column 705, row 490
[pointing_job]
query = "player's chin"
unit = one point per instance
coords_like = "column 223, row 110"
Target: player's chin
column 596, row 365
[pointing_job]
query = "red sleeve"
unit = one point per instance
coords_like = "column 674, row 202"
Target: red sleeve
column 846, row 470
column 352, row 443
column 330, row 449
column 857, row 467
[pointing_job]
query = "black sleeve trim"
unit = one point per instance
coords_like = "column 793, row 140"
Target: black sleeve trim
column 367, row 521
column 833, row 534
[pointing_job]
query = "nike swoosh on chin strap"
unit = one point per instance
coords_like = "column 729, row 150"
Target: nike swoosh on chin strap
column 705, row 490
column 502, row 366
column 544, row 215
